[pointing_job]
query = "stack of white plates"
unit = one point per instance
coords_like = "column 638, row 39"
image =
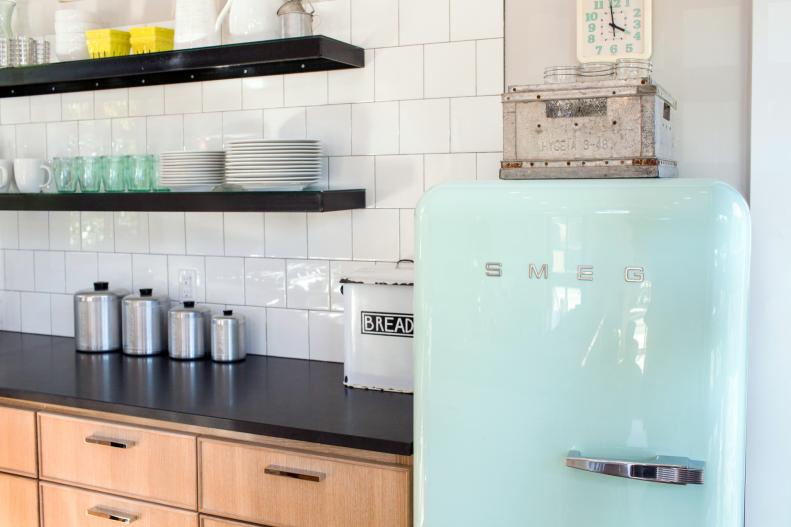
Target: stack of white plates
column 196, row 171
column 273, row 164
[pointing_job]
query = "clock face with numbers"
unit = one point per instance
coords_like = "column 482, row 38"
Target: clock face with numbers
column 608, row 30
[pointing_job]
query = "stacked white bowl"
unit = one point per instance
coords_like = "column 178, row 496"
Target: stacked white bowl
column 70, row 28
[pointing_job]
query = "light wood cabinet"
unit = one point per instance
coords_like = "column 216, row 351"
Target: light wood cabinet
column 280, row 488
column 63, row 506
column 18, row 501
column 136, row 462
column 100, row 470
column 18, row 441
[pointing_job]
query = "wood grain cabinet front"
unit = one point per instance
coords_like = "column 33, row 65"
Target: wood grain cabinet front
column 136, row 462
column 206, row 521
column 69, row 507
column 18, row 441
column 282, row 488
column 18, row 501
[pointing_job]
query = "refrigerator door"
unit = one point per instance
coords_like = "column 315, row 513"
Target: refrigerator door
column 581, row 354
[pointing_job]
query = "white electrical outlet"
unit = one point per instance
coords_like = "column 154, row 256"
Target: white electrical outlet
column 188, row 281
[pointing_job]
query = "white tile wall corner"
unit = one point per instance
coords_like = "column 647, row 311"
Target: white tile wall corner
column 50, row 271
column 62, row 315
column 167, row 234
column 35, row 316
column 326, row 336
column 82, row 270
column 146, row 100
column 262, row 92
column 265, row 282
column 399, row 73
column 10, row 311
column 225, row 280
column 204, row 231
column 425, row 126
column 421, row 22
column 45, row 108
column 116, row 269
column 425, row 110
column 399, row 181
column 244, row 234
column 33, row 229
column 476, row 19
column 450, row 69
column 287, row 333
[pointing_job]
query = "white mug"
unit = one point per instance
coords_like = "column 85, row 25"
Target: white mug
column 32, row 175
column 6, row 175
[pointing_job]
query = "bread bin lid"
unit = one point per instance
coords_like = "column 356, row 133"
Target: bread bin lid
column 100, row 291
column 382, row 276
column 293, row 6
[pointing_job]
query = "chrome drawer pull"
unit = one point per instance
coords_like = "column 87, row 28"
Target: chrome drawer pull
column 112, row 515
column 306, row 475
column 113, row 443
column 660, row 469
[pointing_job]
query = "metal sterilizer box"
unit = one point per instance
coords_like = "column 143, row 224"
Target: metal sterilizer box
column 580, row 352
column 604, row 129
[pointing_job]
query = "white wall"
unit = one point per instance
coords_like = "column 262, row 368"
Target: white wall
column 425, row 109
column 769, row 409
column 701, row 55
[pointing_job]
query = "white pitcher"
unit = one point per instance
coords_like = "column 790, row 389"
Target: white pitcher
column 195, row 24
column 251, row 20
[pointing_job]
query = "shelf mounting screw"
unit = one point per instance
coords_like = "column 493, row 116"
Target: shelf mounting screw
column 302, row 66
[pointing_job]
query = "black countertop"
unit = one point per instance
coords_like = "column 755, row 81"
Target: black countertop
column 285, row 398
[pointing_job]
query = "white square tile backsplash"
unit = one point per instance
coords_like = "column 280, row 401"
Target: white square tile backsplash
column 425, row 110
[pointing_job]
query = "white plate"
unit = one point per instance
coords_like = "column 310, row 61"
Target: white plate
column 190, row 188
column 260, row 173
column 272, row 141
column 273, row 149
column 266, row 166
column 242, row 181
column 194, row 153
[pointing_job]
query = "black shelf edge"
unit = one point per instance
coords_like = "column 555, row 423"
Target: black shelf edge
column 269, row 57
column 297, row 201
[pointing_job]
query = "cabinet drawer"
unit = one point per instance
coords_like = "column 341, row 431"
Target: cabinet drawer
column 137, row 462
column 205, row 521
column 18, row 441
column 18, row 501
column 280, row 488
column 69, row 507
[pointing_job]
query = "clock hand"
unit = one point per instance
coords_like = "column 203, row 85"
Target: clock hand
column 619, row 28
column 612, row 19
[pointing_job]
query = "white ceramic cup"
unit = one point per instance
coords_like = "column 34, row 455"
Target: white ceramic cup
column 32, row 175
column 6, row 175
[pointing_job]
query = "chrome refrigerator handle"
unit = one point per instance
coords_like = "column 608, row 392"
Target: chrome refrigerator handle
column 660, row 469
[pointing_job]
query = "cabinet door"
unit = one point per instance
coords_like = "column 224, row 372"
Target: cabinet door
column 18, row 501
column 275, row 487
column 18, row 441
column 136, row 462
column 206, row 521
column 70, row 507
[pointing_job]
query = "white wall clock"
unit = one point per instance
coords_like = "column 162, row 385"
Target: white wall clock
column 608, row 30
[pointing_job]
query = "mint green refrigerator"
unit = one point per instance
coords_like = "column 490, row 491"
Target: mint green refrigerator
column 580, row 351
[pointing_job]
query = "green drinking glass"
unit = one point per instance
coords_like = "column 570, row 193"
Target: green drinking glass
column 64, row 171
column 91, row 171
column 141, row 174
column 116, row 174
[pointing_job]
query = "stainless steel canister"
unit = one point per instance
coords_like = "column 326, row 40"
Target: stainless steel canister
column 295, row 20
column 187, row 328
column 97, row 319
column 144, row 323
column 227, row 337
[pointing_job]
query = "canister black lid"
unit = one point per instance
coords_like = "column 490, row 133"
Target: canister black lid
column 146, row 292
column 101, row 286
column 189, row 303
column 227, row 312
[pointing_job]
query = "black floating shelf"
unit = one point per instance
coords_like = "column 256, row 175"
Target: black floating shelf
column 269, row 57
column 297, row 201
